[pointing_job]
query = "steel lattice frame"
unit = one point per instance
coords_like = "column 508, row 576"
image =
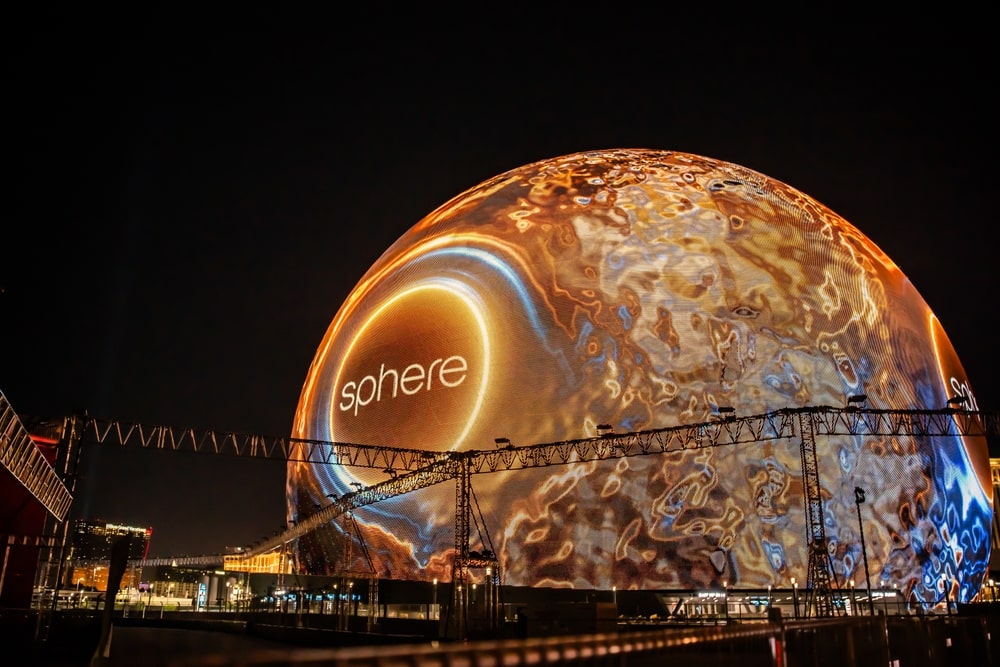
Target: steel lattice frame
column 415, row 469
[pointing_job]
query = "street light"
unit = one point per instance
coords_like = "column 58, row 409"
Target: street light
column 489, row 595
column 859, row 497
column 854, row 599
column 947, row 593
column 795, row 597
column 725, row 599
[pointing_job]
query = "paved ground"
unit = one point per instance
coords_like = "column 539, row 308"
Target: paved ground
column 160, row 647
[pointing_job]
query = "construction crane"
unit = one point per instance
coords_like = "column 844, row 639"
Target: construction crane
column 416, row 469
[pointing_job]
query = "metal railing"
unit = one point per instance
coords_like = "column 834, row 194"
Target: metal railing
column 872, row 641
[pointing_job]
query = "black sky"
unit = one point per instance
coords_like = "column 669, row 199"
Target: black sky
column 186, row 210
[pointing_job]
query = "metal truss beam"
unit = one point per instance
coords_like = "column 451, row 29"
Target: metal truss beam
column 730, row 430
column 210, row 560
column 422, row 468
column 444, row 470
column 258, row 446
column 28, row 465
column 43, row 541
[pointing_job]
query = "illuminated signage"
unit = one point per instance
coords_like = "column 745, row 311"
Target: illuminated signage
column 388, row 383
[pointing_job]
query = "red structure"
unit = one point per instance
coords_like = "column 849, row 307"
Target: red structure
column 22, row 530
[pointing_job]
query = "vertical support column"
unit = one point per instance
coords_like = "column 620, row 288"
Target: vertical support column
column 818, row 593
column 341, row 609
column 459, row 582
column 373, row 603
column 493, row 583
column 68, row 464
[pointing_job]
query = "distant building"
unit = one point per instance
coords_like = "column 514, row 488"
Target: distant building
column 90, row 552
column 92, row 540
column 273, row 562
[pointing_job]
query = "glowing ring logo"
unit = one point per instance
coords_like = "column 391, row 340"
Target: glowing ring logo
column 453, row 289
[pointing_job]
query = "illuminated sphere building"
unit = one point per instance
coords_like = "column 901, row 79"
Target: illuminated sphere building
column 645, row 289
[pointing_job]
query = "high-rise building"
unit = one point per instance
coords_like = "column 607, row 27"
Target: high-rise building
column 92, row 540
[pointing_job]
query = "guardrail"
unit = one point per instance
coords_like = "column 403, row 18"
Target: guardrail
column 915, row 641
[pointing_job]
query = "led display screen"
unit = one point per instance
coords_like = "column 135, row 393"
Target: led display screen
column 643, row 289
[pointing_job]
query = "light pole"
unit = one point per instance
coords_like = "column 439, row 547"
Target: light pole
column 461, row 602
column 795, row 596
column 725, row 599
column 169, row 596
column 854, row 600
column 859, row 497
column 488, row 598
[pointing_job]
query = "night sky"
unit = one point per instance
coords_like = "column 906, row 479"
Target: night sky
column 185, row 212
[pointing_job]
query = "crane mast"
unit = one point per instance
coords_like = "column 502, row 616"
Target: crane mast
column 819, row 566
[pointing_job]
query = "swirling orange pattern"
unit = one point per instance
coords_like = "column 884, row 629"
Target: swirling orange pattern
column 644, row 289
